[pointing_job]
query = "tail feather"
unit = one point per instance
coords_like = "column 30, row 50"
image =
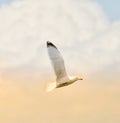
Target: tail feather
column 51, row 86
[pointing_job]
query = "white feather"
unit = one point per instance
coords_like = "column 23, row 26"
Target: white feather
column 57, row 62
column 51, row 86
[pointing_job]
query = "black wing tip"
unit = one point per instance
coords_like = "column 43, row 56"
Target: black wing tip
column 50, row 44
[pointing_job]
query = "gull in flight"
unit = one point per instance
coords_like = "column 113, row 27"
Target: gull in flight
column 62, row 79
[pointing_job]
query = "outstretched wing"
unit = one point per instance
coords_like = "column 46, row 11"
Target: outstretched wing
column 57, row 62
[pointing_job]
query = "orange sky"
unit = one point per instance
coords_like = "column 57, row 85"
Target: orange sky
column 85, row 101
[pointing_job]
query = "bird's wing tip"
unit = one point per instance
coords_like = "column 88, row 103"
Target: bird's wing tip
column 50, row 44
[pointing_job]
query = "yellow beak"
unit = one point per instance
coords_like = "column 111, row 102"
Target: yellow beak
column 80, row 78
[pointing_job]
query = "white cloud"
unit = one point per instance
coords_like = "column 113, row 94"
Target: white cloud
column 79, row 28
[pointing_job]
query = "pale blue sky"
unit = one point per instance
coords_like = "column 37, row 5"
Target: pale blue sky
column 110, row 7
column 5, row 1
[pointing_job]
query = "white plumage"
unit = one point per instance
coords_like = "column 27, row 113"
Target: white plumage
column 62, row 79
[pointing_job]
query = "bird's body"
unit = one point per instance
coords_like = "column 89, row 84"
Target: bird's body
column 62, row 79
column 66, row 83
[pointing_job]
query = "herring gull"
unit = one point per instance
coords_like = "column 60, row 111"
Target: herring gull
column 62, row 78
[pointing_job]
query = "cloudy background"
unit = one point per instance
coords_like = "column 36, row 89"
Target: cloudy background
column 87, row 32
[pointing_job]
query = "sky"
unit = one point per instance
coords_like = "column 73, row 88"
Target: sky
column 2, row 2
column 87, row 33
column 110, row 7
